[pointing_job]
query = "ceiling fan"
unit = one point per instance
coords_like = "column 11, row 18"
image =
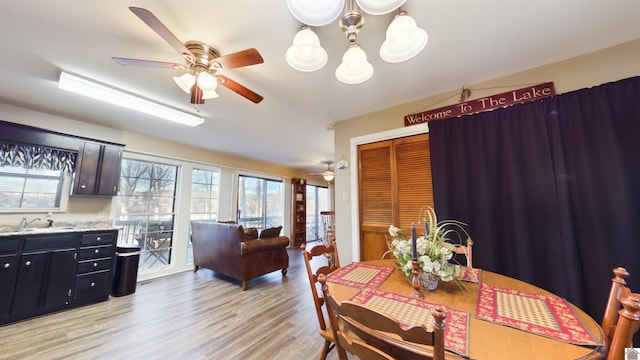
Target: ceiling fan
column 203, row 63
column 329, row 174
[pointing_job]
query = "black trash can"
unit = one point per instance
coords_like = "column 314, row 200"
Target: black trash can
column 126, row 270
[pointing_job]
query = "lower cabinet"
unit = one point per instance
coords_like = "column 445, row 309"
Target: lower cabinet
column 8, row 271
column 54, row 272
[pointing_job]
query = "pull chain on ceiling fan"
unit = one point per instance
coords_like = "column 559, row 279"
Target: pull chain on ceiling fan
column 203, row 63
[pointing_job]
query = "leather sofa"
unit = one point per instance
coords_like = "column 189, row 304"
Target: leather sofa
column 225, row 249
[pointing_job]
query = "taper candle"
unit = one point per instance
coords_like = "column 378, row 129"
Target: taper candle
column 414, row 243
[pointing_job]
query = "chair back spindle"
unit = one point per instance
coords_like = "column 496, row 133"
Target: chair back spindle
column 619, row 289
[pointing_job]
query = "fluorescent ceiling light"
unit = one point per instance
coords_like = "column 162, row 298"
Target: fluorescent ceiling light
column 114, row 96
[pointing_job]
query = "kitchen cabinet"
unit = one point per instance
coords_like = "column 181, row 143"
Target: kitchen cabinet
column 95, row 261
column 98, row 169
column 8, row 271
column 44, row 273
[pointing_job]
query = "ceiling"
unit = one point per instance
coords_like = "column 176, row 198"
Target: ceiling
column 469, row 42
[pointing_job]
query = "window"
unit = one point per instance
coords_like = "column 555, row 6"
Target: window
column 34, row 177
column 145, row 209
column 30, row 189
column 260, row 202
column 205, row 189
column 317, row 201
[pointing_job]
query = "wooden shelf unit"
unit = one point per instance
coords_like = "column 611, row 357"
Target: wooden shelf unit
column 299, row 212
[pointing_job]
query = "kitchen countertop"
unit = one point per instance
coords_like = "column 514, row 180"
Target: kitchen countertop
column 6, row 231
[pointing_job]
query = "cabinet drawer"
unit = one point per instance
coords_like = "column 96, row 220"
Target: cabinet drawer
column 95, row 252
column 8, row 245
column 97, row 239
column 51, row 241
column 95, row 284
column 94, row 265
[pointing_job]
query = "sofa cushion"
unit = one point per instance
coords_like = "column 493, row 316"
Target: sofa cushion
column 250, row 233
column 271, row 232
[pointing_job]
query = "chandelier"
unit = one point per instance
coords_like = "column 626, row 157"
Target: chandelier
column 404, row 39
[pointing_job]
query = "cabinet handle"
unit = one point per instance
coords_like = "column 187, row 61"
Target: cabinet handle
column 95, row 264
column 83, row 186
column 93, row 284
column 98, row 238
column 7, row 265
column 96, row 251
column 27, row 263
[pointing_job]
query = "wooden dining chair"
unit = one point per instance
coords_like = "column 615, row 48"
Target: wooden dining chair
column 321, row 253
column 627, row 325
column 467, row 251
column 369, row 334
column 619, row 289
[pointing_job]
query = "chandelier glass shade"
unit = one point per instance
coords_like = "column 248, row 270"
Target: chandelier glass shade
column 315, row 12
column 379, row 7
column 404, row 39
column 329, row 176
column 354, row 68
column 306, row 54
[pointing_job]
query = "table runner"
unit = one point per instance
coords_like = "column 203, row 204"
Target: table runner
column 412, row 311
column 548, row 316
column 360, row 275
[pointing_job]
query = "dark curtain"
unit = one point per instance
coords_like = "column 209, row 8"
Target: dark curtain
column 549, row 188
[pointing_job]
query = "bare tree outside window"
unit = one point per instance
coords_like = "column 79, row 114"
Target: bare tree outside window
column 145, row 209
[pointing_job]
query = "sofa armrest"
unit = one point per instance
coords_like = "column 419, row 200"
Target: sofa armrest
column 257, row 245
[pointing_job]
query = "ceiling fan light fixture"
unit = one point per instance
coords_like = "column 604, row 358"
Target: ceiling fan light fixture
column 185, row 82
column 329, row 176
column 209, row 94
column 404, row 39
column 379, row 7
column 354, row 68
column 306, row 54
column 98, row 91
column 315, row 12
column 206, row 81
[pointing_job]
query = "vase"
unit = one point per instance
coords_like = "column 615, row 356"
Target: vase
column 429, row 281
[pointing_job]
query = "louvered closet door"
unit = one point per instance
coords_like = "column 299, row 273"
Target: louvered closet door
column 376, row 198
column 413, row 171
column 394, row 183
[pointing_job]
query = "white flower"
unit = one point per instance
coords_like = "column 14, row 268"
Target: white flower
column 393, row 231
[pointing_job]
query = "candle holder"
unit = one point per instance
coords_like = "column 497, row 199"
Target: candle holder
column 415, row 282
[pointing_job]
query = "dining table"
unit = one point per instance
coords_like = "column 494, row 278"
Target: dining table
column 489, row 315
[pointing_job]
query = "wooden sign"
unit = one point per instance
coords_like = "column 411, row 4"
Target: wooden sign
column 483, row 104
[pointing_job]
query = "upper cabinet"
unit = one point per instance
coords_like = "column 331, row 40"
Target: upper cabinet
column 98, row 169
column 97, row 163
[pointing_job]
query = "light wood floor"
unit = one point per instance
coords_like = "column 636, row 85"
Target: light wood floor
column 185, row 316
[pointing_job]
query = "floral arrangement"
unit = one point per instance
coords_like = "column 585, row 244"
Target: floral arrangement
column 433, row 250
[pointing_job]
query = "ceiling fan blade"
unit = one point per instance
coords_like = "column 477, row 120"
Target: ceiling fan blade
column 147, row 63
column 156, row 25
column 240, row 89
column 240, row 59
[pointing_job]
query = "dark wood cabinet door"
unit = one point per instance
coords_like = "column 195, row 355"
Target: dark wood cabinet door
column 109, row 170
column 31, row 273
column 8, row 271
column 87, row 169
column 61, row 275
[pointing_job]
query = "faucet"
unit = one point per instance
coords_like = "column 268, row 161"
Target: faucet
column 24, row 223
